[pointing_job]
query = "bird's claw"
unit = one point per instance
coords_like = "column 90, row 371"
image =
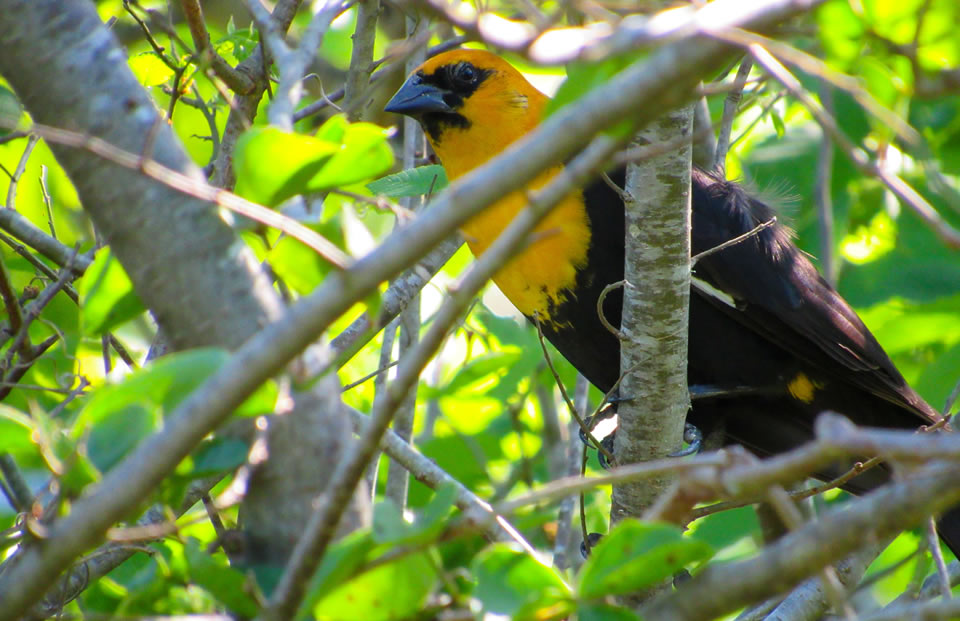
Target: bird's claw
column 694, row 439
column 607, row 445
column 591, row 421
column 594, row 539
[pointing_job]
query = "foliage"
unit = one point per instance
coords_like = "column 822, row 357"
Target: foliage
column 487, row 406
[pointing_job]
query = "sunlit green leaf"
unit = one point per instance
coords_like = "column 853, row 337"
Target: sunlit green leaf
column 107, row 295
column 16, row 428
column 149, row 69
column 145, row 396
column 777, row 122
column 396, row 590
column 412, row 182
column 840, row 32
column 582, row 77
column 638, row 555
column 299, row 266
column 482, row 371
column 390, row 526
column 509, row 581
column 273, row 165
column 214, row 574
column 340, row 562
column 605, row 612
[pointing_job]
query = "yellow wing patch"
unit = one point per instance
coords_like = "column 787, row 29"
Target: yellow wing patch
column 802, row 388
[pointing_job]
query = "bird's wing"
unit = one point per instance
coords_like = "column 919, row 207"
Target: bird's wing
column 770, row 286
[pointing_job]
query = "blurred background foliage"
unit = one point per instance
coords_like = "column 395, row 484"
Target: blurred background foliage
column 485, row 401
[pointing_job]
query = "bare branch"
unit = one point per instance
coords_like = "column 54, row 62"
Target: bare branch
column 719, row 590
column 664, row 78
column 730, row 106
column 653, row 352
column 18, row 171
column 238, row 81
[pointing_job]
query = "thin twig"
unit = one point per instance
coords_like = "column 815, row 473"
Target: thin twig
column 10, row 301
column 20, row 492
column 933, row 543
column 23, row 229
column 239, row 82
column 900, row 188
column 30, row 313
column 370, row 376
column 18, row 171
column 732, row 242
column 730, row 105
column 602, row 316
column 197, row 189
column 47, row 201
column 566, row 397
column 823, row 194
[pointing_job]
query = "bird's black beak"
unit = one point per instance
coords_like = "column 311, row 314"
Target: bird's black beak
column 416, row 98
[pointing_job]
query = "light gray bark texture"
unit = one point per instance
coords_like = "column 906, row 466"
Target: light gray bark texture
column 201, row 283
column 656, row 301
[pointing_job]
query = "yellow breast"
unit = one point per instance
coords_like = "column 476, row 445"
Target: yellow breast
column 543, row 274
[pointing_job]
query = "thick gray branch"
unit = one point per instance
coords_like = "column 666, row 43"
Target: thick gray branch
column 665, row 78
column 723, row 588
column 653, row 352
column 176, row 249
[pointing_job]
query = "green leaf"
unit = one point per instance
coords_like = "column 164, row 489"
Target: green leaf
column 219, row 455
column 605, row 612
column 118, row 432
column 107, row 295
column 396, row 590
column 841, row 32
column 150, row 393
column 777, row 123
column 16, row 429
column 341, row 561
column 10, row 109
column 273, row 165
column 638, row 555
column 226, row 584
column 411, row 182
column 481, row 372
column 510, row 581
column 299, row 266
column 390, row 527
column 149, row 69
column 364, row 154
column 583, row 77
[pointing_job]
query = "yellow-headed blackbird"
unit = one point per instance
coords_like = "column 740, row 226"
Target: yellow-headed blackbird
column 771, row 343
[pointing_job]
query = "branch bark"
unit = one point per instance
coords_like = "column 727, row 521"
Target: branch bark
column 175, row 248
column 665, row 78
column 721, row 589
column 656, row 301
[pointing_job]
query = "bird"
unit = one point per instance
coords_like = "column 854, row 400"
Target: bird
column 771, row 343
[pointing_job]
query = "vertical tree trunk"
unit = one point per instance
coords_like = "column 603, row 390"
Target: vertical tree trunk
column 655, row 309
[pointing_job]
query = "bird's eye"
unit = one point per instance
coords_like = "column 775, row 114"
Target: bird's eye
column 465, row 73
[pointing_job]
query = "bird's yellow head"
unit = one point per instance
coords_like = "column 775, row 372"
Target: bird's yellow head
column 471, row 105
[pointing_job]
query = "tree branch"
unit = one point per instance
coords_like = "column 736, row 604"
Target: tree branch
column 653, row 352
column 721, row 589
